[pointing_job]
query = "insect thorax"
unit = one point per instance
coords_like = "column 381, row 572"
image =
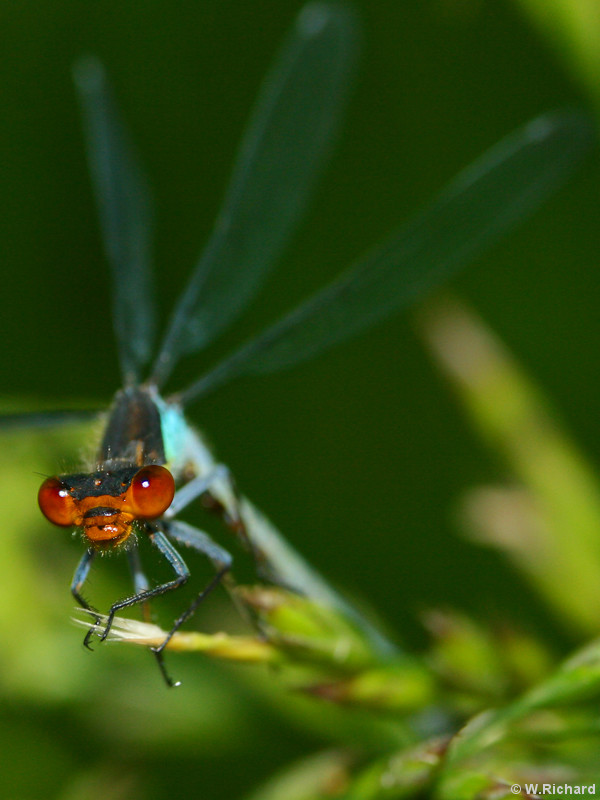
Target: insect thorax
column 133, row 432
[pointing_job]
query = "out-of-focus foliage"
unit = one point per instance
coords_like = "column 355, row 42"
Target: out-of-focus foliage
column 574, row 28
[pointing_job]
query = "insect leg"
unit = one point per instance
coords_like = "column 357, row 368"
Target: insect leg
column 195, row 488
column 140, row 581
column 221, row 496
column 79, row 578
column 182, row 573
column 200, row 541
column 221, row 559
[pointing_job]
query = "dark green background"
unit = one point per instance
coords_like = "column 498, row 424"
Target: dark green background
column 361, row 456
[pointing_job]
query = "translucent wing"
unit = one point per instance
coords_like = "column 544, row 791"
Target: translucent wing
column 481, row 204
column 125, row 215
column 281, row 153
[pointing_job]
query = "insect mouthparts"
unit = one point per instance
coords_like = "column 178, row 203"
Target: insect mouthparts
column 100, row 511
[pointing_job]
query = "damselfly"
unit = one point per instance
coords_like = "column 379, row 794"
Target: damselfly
column 150, row 463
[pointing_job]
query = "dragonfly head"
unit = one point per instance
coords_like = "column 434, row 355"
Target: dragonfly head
column 106, row 504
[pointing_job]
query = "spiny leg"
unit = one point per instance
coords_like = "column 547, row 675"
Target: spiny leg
column 272, row 557
column 79, row 578
column 221, row 559
column 158, row 538
column 230, row 512
column 182, row 573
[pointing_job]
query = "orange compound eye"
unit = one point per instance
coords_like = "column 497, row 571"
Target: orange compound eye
column 151, row 492
column 55, row 502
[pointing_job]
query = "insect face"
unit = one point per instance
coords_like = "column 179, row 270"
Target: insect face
column 106, row 504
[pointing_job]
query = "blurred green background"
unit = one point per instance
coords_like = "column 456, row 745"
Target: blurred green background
column 361, row 456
